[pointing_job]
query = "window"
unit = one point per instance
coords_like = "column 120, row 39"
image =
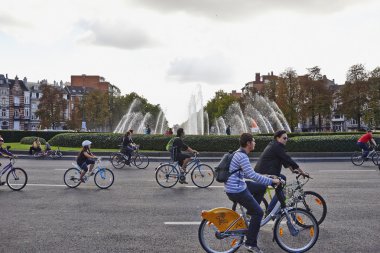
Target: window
column 26, row 112
column 16, row 101
column 3, row 101
column 26, row 100
column 17, row 113
column 4, row 113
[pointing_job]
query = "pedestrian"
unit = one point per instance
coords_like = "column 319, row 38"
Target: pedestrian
column 228, row 130
column 147, row 130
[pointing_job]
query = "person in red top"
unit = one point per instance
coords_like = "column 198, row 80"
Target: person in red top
column 363, row 140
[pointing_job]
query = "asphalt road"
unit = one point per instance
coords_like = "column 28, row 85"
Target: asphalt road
column 131, row 216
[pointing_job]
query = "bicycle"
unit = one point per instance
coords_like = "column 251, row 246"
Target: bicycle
column 16, row 177
column 223, row 229
column 358, row 159
column 103, row 177
column 53, row 154
column 295, row 195
column 119, row 159
column 168, row 174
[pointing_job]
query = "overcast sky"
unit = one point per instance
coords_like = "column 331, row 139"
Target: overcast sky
column 165, row 49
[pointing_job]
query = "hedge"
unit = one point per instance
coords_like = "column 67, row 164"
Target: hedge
column 30, row 140
column 213, row 143
column 16, row 136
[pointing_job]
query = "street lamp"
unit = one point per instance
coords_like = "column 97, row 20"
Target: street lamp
column 84, row 127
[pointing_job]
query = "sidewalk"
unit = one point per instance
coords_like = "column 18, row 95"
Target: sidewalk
column 162, row 156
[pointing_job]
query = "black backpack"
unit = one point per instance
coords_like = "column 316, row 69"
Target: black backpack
column 222, row 171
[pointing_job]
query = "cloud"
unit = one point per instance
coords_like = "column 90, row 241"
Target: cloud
column 227, row 9
column 9, row 23
column 115, row 34
column 212, row 69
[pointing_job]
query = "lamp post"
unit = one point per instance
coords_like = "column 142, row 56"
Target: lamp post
column 84, row 127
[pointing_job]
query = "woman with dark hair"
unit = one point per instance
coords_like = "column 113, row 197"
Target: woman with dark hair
column 128, row 145
column 183, row 159
column 273, row 158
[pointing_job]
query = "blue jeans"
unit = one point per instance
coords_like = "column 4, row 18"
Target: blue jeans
column 274, row 200
column 363, row 146
column 251, row 198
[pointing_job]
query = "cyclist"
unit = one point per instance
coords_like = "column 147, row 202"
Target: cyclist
column 363, row 140
column 36, row 146
column 85, row 157
column 47, row 148
column 247, row 193
column 128, row 145
column 183, row 159
column 5, row 153
column 273, row 158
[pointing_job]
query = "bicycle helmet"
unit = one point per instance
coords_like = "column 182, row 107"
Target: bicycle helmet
column 86, row 143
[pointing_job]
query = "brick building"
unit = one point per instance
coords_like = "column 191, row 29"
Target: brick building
column 94, row 82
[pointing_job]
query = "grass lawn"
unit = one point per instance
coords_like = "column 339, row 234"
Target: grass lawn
column 25, row 147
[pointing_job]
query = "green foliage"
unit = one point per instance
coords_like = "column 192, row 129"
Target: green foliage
column 218, row 105
column 216, row 143
column 30, row 140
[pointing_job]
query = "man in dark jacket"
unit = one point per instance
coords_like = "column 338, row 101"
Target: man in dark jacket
column 273, row 158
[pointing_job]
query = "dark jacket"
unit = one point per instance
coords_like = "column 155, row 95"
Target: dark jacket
column 273, row 158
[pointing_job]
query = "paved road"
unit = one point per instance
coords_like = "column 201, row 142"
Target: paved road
column 130, row 217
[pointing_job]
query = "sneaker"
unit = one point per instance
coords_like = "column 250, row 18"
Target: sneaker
column 255, row 249
column 91, row 174
column 2, row 183
column 82, row 180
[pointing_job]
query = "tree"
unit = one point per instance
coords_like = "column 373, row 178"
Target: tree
column 96, row 109
column 372, row 116
column 354, row 95
column 288, row 93
column 219, row 104
column 316, row 97
column 51, row 107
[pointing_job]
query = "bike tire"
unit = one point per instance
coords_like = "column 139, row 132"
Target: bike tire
column 357, row 158
column 71, row 177
column 375, row 158
column 118, row 161
column 57, row 155
column 38, row 155
column 309, row 228
column 311, row 201
column 104, row 178
column 13, row 177
column 203, row 172
column 141, row 161
column 167, row 175
column 208, row 239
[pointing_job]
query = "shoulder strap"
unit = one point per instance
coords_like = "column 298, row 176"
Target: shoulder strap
column 234, row 171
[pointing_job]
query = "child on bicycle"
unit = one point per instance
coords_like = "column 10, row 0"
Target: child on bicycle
column 85, row 157
column 5, row 153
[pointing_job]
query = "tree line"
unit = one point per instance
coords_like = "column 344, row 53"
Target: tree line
column 102, row 111
column 312, row 97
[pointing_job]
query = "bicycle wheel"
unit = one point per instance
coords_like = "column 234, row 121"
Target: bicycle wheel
column 17, row 179
column 299, row 233
column 213, row 242
column 38, row 155
column 71, row 177
column 202, row 176
column 167, row 175
column 118, row 161
column 375, row 158
column 104, row 178
column 357, row 159
column 141, row 161
column 315, row 204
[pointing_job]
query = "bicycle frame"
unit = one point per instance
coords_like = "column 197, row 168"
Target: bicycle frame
column 9, row 166
column 97, row 167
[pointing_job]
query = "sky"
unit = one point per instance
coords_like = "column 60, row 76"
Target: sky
column 166, row 50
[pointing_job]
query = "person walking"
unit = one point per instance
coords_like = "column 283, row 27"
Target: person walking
column 228, row 130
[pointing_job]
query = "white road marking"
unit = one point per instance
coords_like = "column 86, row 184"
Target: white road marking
column 346, row 170
column 211, row 186
column 48, row 185
column 60, row 169
column 182, row 223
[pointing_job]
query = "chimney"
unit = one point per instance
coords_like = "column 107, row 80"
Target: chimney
column 271, row 73
column 25, row 80
column 257, row 79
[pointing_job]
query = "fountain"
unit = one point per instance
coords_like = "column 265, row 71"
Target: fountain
column 136, row 120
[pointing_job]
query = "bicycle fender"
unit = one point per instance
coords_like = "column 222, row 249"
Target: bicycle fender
column 223, row 217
